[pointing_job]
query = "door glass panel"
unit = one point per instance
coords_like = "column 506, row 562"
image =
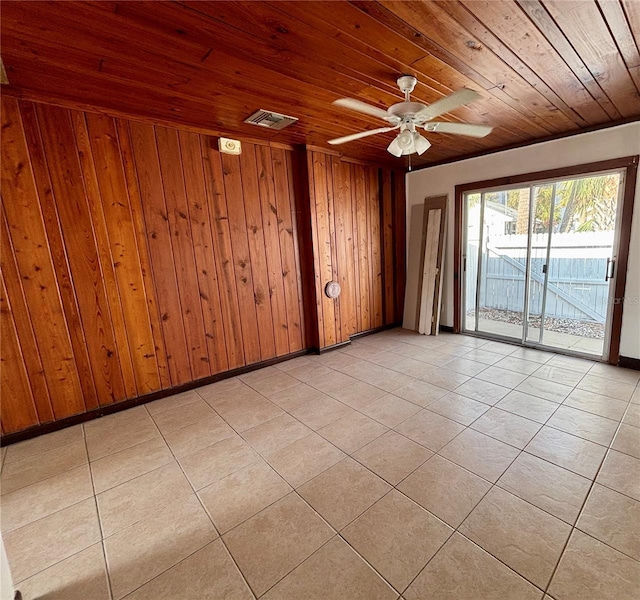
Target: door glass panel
column 472, row 205
column 581, row 253
column 502, row 264
column 540, row 260
column 541, row 223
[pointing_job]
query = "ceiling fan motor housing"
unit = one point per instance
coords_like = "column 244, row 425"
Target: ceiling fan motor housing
column 405, row 110
column 406, row 83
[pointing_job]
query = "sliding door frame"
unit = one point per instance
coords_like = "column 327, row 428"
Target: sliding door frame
column 629, row 164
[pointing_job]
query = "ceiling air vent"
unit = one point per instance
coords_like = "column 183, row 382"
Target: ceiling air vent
column 271, row 120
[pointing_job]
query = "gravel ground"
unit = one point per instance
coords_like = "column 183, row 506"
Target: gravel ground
column 587, row 329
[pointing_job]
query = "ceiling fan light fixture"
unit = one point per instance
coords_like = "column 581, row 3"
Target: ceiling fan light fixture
column 420, row 143
column 405, row 140
column 408, row 115
column 394, row 148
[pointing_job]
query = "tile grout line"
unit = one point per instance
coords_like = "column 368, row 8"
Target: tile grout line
column 95, row 501
column 113, row 487
column 206, row 512
column 545, row 590
column 581, row 511
column 147, row 516
column 455, row 530
column 48, row 476
column 144, row 518
column 17, row 583
column 524, row 451
column 295, row 491
column 495, row 484
column 195, row 492
column 421, row 406
column 521, row 450
column 395, row 486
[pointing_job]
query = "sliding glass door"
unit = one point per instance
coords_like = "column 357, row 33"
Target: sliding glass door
column 538, row 262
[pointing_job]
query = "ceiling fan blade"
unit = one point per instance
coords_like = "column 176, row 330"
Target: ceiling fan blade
column 362, row 134
column 362, row 107
column 445, row 105
column 459, row 128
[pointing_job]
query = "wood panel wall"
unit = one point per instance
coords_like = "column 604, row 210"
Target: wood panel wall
column 136, row 258
column 358, row 225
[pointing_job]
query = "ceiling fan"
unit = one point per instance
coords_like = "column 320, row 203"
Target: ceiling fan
column 407, row 116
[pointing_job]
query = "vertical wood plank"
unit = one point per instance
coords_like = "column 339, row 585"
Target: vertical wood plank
column 323, row 247
column 342, row 194
column 190, row 260
column 53, row 238
column 291, row 174
column 200, row 221
column 182, row 247
column 357, row 308
column 85, row 155
column 335, row 199
column 70, row 200
column 257, row 252
column 428, row 273
column 350, row 255
column 271, row 220
column 18, row 406
column 140, row 239
column 120, row 233
column 361, row 229
column 232, row 178
column 35, row 266
column 221, row 236
column 24, row 326
column 387, row 247
column 317, row 262
column 333, row 246
column 160, row 250
column 375, row 248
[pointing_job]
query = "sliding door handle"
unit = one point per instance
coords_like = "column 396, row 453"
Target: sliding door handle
column 611, row 268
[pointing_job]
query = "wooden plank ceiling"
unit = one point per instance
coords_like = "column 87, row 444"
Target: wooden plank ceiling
column 543, row 67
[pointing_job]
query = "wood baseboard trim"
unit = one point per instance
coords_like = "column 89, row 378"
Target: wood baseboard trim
column 43, row 428
column 31, row 432
column 629, row 363
column 330, row 348
column 355, row 336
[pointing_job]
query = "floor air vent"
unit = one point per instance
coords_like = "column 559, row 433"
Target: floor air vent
column 272, row 120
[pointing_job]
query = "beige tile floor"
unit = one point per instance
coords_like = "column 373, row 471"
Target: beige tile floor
column 403, row 466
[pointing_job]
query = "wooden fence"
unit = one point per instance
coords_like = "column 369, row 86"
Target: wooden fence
column 577, row 287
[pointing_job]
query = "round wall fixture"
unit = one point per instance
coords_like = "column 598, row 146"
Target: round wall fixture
column 332, row 289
